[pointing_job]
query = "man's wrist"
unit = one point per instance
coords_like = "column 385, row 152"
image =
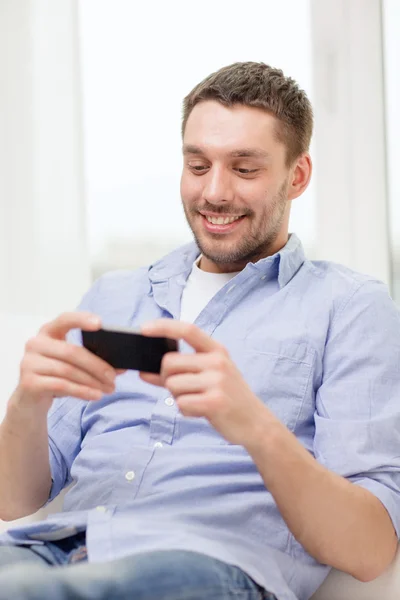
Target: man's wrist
column 20, row 407
column 265, row 428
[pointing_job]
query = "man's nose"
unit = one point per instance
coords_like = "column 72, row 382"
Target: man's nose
column 218, row 186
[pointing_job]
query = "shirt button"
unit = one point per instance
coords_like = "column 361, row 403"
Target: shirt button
column 263, row 277
column 169, row 401
column 158, row 445
column 130, row 475
column 231, row 288
column 101, row 509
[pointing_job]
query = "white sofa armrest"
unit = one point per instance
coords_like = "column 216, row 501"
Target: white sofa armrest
column 340, row 586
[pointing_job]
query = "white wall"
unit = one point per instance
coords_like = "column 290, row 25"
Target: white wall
column 43, row 257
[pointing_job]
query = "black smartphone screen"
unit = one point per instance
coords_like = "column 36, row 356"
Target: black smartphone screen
column 128, row 349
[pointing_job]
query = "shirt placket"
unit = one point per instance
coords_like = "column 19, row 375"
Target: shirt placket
column 163, row 421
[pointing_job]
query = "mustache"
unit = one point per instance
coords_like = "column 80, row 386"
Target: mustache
column 222, row 210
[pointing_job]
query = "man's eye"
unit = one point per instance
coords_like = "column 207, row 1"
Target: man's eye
column 246, row 171
column 198, row 168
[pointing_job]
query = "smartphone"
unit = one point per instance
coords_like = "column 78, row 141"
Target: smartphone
column 125, row 348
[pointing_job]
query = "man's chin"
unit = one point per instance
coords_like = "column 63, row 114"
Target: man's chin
column 219, row 249
column 215, row 249
column 222, row 257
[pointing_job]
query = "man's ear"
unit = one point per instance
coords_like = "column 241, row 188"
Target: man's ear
column 301, row 175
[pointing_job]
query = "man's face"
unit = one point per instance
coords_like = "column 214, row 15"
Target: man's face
column 234, row 168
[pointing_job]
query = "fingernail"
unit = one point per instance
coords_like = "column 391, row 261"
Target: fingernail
column 94, row 321
column 96, row 394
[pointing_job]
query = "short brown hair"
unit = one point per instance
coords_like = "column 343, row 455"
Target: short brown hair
column 259, row 85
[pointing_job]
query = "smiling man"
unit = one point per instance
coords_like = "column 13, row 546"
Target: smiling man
column 267, row 449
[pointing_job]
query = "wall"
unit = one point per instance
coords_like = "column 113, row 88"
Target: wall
column 43, row 256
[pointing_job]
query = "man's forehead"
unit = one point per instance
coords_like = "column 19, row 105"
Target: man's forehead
column 237, row 130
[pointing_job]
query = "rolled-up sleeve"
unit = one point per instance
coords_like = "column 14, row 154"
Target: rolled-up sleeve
column 64, row 426
column 357, row 417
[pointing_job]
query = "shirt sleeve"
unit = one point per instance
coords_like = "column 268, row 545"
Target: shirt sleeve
column 64, row 419
column 357, row 417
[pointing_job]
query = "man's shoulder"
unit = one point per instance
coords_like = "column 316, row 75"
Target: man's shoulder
column 344, row 277
column 137, row 280
column 339, row 285
column 114, row 295
column 122, row 280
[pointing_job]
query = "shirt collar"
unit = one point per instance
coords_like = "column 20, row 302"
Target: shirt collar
column 283, row 265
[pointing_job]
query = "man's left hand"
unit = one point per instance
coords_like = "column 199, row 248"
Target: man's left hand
column 207, row 383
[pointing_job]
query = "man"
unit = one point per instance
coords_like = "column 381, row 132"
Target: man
column 250, row 465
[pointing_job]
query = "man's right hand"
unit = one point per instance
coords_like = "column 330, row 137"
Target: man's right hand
column 53, row 367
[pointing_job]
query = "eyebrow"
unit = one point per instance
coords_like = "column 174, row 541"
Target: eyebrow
column 240, row 153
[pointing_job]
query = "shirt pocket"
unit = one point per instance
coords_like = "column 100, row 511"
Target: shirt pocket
column 280, row 374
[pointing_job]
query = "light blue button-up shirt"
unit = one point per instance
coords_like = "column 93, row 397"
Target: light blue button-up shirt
column 318, row 343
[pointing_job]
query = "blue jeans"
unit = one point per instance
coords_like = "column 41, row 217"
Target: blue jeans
column 60, row 571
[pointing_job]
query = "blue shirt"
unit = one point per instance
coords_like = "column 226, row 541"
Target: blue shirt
column 318, row 343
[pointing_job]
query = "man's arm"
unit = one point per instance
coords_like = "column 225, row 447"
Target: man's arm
column 338, row 506
column 50, row 367
column 337, row 522
column 25, row 478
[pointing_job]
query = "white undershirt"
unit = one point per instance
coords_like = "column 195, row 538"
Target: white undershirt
column 200, row 287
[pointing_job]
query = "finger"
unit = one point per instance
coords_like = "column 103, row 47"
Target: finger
column 188, row 383
column 178, row 362
column 50, row 367
column 179, row 330
column 59, row 327
column 74, row 355
column 192, row 405
column 152, row 378
column 60, row 387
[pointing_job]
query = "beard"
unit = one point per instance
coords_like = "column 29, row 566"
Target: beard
column 259, row 237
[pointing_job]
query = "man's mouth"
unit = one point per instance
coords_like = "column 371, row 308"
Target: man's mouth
column 221, row 223
column 222, row 220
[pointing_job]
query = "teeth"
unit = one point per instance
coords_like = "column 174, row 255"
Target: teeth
column 221, row 220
